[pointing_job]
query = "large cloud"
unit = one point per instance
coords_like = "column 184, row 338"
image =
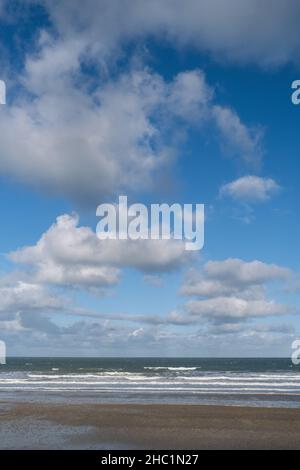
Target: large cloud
column 73, row 256
column 243, row 31
column 78, row 133
column 90, row 145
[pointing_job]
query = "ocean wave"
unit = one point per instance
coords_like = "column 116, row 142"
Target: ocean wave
column 80, row 376
column 240, row 383
column 172, row 368
column 170, row 390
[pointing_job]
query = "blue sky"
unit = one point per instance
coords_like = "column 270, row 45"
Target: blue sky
column 163, row 106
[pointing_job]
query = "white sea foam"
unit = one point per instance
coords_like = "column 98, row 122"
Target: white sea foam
column 161, row 380
column 172, row 368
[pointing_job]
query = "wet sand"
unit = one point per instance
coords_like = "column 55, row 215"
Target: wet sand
column 43, row 426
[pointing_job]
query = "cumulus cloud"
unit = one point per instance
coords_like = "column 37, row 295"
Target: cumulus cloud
column 234, row 308
column 91, row 145
column 247, row 31
column 73, row 256
column 234, row 290
column 251, row 189
column 87, row 146
column 87, row 136
column 232, row 277
column 25, row 296
column 235, row 297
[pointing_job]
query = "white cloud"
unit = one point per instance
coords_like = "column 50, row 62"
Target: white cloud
column 73, row 256
column 233, row 277
column 86, row 136
column 41, row 336
column 241, row 141
column 25, row 296
column 86, row 147
column 234, row 290
column 243, row 31
column 90, row 145
column 14, row 325
column 243, row 330
column 234, row 308
column 245, row 272
column 251, row 189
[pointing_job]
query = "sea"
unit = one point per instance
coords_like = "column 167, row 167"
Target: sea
column 240, row 382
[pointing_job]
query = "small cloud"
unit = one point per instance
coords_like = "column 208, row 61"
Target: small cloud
column 137, row 333
column 240, row 140
column 253, row 189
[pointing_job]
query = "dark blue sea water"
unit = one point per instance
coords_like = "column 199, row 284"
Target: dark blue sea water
column 253, row 382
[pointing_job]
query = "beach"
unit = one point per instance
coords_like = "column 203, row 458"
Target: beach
column 108, row 427
column 149, row 403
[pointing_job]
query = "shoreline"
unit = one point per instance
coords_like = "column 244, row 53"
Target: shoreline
column 57, row 426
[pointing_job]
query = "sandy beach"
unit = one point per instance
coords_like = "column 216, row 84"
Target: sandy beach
column 42, row 426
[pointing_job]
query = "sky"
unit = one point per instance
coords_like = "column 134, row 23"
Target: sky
column 164, row 102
